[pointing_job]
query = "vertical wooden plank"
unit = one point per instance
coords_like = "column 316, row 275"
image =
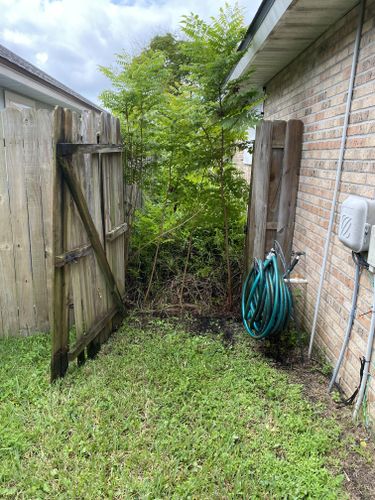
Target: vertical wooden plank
column 9, row 319
column 46, row 166
column 84, row 171
column 121, row 208
column 106, row 180
column 14, row 154
column 277, row 155
column 289, row 186
column 89, row 136
column 82, row 288
column 32, row 134
column 75, row 237
column 117, row 204
column 259, row 201
column 119, row 213
column 92, row 194
column 105, row 138
column 60, row 333
column 111, row 180
column 109, row 132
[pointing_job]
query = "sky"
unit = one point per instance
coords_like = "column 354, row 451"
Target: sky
column 69, row 39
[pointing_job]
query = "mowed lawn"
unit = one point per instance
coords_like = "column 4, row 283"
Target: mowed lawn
column 161, row 413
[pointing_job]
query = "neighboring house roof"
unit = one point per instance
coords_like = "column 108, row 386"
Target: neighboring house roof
column 282, row 29
column 23, row 77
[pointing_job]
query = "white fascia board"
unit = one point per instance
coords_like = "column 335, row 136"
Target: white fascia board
column 22, row 83
column 273, row 17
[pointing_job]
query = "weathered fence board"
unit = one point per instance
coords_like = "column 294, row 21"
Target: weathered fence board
column 273, row 190
column 46, row 166
column 8, row 294
column 19, row 216
column 289, row 184
column 60, row 311
column 259, row 190
column 277, row 154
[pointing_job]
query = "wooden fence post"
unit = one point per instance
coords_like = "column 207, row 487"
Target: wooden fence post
column 60, row 325
column 259, row 191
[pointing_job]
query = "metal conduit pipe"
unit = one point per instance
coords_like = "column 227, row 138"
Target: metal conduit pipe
column 338, row 170
column 349, row 326
column 370, row 342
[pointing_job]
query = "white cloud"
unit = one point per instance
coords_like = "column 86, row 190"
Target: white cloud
column 15, row 37
column 41, row 58
column 70, row 38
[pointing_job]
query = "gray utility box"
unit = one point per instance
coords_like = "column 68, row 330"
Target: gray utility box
column 357, row 218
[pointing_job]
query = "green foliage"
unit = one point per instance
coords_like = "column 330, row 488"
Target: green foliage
column 161, row 414
column 182, row 122
column 175, row 59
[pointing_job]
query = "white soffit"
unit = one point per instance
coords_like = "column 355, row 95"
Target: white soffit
column 288, row 28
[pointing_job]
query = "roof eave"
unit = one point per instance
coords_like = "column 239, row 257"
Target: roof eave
column 8, row 61
column 280, row 31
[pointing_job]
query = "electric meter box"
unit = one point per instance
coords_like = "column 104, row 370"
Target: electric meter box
column 356, row 219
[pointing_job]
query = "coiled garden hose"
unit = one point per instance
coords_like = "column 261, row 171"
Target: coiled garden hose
column 267, row 303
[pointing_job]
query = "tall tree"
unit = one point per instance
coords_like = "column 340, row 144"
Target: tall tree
column 182, row 122
column 228, row 107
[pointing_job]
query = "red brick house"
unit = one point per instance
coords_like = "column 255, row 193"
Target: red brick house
column 301, row 53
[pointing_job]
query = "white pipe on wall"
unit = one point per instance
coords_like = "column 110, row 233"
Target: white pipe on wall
column 338, row 170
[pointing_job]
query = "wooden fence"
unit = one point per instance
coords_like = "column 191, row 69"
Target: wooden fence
column 62, row 229
column 273, row 189
column 26, row 166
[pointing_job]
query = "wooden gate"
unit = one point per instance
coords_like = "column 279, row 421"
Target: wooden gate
column 88, row 236
column 273, row 189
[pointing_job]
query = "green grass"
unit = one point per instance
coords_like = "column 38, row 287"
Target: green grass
column 160, row 414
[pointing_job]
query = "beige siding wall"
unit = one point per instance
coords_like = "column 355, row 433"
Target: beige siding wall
column 313, row 88
column 244, row 168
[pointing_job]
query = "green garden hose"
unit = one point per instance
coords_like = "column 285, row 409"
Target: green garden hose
column 266, row 299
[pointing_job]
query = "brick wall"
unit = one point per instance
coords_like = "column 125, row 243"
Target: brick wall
column 313, row 88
